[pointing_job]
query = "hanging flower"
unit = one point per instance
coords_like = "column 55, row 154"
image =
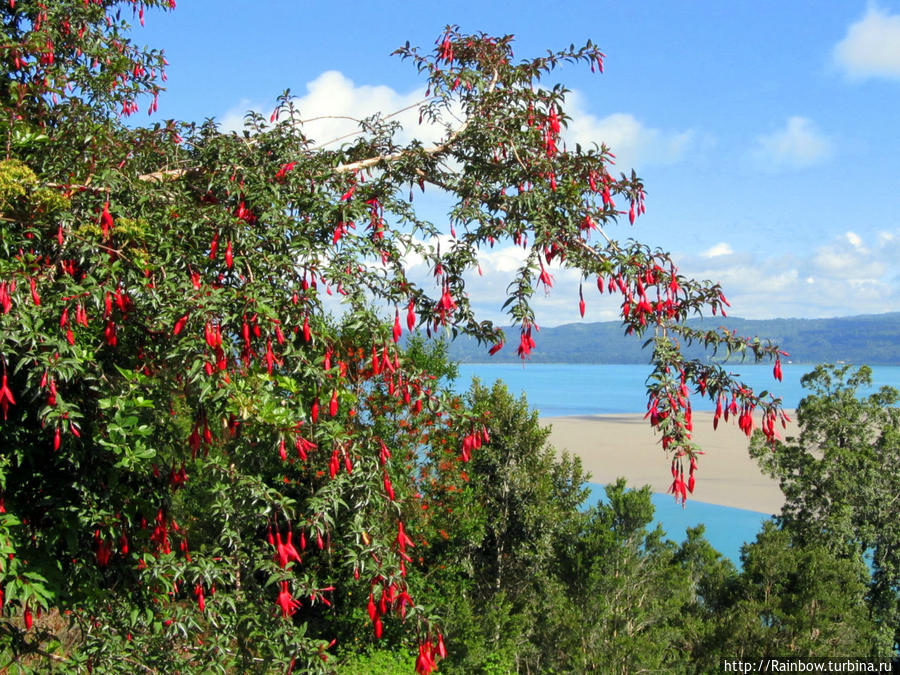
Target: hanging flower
column 288, row 604
column 6, row 397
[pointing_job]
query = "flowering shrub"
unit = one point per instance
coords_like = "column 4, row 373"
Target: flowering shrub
column 193, row 449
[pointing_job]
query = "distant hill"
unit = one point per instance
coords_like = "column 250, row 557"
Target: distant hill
column 872, row 339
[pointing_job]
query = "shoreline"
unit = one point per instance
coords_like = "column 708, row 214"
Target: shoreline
column 611, row 446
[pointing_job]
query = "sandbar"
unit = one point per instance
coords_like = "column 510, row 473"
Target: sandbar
column 611, row 446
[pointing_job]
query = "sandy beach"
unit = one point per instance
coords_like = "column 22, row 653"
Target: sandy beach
column 625, row 445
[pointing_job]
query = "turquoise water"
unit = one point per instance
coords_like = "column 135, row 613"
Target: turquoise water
column 560, row 390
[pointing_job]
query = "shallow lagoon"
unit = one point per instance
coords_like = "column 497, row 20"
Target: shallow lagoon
column 560, row 390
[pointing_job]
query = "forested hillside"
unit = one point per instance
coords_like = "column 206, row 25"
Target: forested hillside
column 870, row 338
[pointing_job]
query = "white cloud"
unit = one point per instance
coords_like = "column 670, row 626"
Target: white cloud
column 332, row 97
column 719, row 249
column 839, row 278
column 798, row 145
column 848, row 275
column 854, row 240
column 333, row 106
column 845, row 276
column 848, row 263
column 871, row 47
column 633, row 143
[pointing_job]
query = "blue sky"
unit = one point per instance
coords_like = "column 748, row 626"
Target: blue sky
column 767, row 133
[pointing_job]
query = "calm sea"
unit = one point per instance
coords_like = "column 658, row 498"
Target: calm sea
column 559, row 390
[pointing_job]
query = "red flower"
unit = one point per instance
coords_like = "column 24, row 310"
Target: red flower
column 545, row 277
column 34, row 294
column 104, row 549
column 403, row 539
column 425, row 662
column 389, row 487
column 5, row 300
column 397, row 330
column 334, row 465
column 285, row 551
column 110, row 333
column 179, row 325
column 282, row 172
column 6, row 397
column 526, row 343
column 286, row 601
column 446, row 52
column 333, row 405
column 106, row 220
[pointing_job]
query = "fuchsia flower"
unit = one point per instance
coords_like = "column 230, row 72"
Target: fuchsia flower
column 389, row 487
column 397, row 329
column 545, row 277
column 179, row 325
column 5, row 299
column 288, row 604
column 6, row 397
column 285, row 551
column 106, row 220
column 403, row 539
column 425, row 661
column 282, row 172
column 34, row 294
column 51, row 398
column 201, row 601
column 333, row 404
column 110, row 333
column 526, row 343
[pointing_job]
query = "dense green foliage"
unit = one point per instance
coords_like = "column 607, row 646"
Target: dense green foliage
column 841, row 479
column 215, row 456
column 532, row 581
